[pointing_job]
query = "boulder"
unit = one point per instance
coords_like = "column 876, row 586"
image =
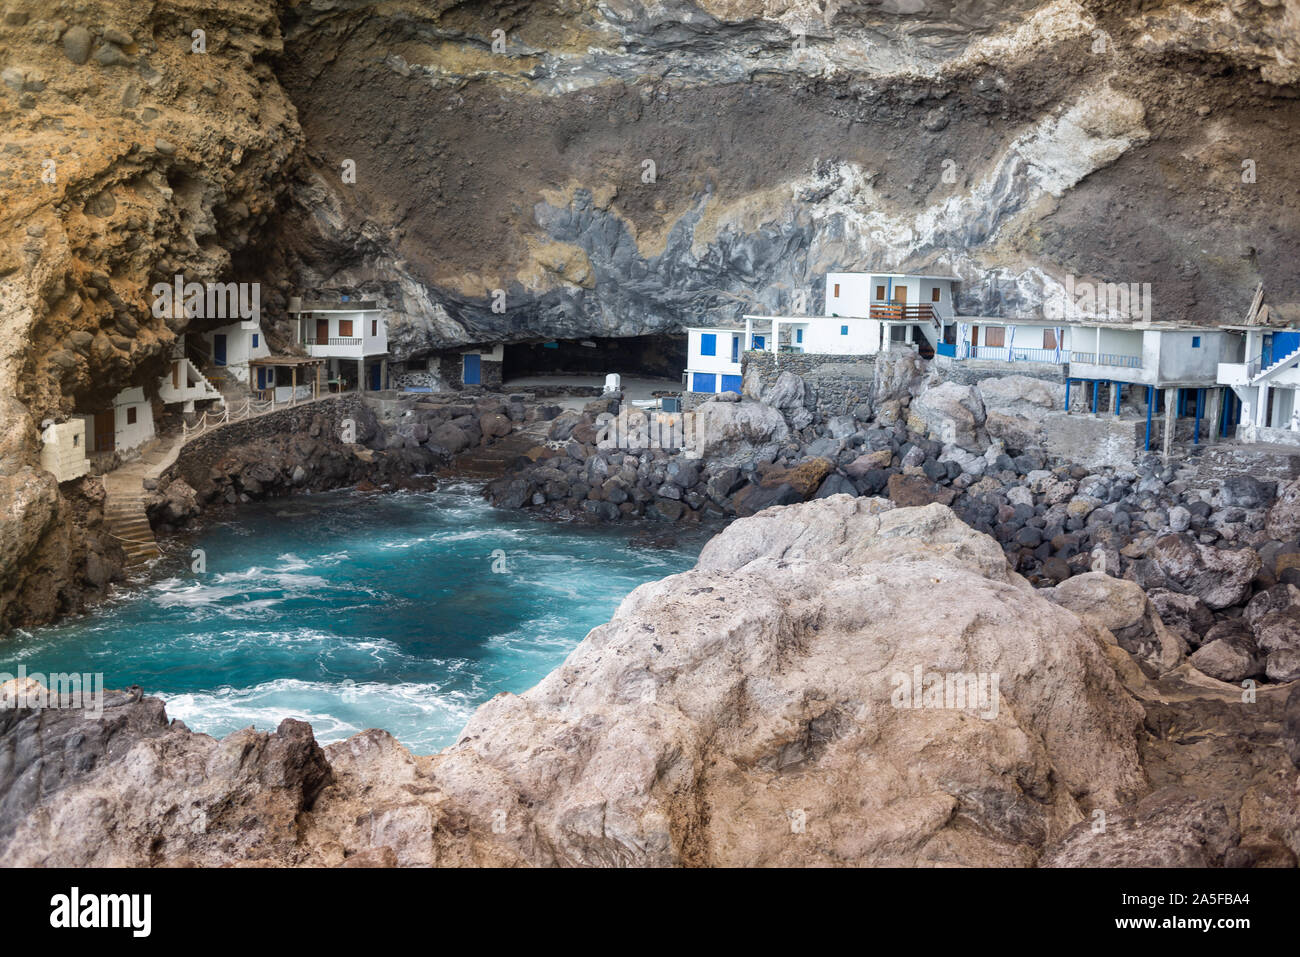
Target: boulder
column 180, row 502
column 449, row 437
column 787, row 393
column 1220, row 577
column 916, row 490
column 805, row 477
column 1245, row 491
column 1022, row 396
column 495, row 424
column 730, row 433
column 1122, row 608
column 868, row 461
column 1283, row 519
column 949, row 412
column 754, row 498
column 1185, row 615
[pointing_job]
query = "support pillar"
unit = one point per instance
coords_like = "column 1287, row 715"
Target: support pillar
column 1213, row 416
column 1196, row 421
column 1116, row 389
column 1067, row 395
column 361, row 375
column 1151, row 405
column 293, row 385
column 1171, row 423
column 1096, row 391
column 383, row 373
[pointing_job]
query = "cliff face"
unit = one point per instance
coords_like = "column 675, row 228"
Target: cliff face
column 131, row 155
column 1014, row 143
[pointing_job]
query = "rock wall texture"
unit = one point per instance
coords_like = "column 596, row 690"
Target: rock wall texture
column 755, row 710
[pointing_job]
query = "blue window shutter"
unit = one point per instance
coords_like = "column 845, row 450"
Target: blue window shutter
column 735, row 348
column 1196, row 342
column 255, row 340
column 708, row 345
column 844, row 330
column 730, row 383
column 704, row 382
column 798, row 335
column 760, row 342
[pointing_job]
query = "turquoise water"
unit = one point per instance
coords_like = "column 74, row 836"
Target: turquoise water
column 354, row 611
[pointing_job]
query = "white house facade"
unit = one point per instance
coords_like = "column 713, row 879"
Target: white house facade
column 351, row 336
column 232, row 347
column 127, row 424
column 1261, row 367
column 63, row 449
column 184, row 384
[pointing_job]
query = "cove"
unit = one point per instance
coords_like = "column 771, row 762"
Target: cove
column 402, row 611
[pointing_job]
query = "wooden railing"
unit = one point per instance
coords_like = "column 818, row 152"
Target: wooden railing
column 903, row 312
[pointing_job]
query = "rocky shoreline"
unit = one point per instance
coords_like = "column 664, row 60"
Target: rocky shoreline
column 1220, row 558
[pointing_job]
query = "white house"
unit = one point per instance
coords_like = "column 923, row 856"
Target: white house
column 63, row 449
column 351, row 336
column 865, row 313
column 126, row 425
column 233, row 346
column 184, row 384
column 1261, row 367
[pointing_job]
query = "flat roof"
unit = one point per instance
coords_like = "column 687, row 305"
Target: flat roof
column 891, row 275
column 361, row 305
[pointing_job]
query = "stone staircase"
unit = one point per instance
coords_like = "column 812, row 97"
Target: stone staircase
column 124, row 499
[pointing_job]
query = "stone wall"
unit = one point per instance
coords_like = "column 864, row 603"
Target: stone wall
column 971, row 371
column 840, row 382
column 197, row 456
column 1096, row 441
column 451, row 369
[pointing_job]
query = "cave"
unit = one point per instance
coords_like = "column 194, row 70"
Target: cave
column 640, row 357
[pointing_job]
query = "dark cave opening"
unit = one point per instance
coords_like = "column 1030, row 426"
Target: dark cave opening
column 652, row 356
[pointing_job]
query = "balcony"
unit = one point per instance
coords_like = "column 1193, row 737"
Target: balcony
column 1017, row 354
column 902, row 312
column 345, row 347
column 1107, row 359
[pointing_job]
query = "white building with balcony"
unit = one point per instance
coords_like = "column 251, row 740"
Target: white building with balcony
column 352, row 336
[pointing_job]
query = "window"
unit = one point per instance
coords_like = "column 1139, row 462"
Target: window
column 844, row 330
column 345, row 328
column 735, row 348
column 935, row 294
column 837, row 291
column 1049, row 338
column 1196, row 342
column 255, row 338
column 708, row 345
column 130, row 415
column 880, row 292
column 374, row 327
column 995, row 336
column 798, row 335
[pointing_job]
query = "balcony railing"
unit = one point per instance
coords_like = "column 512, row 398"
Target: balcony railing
column 333, row 341
column 902, row 312
column 1107, row 359
column 1016, row 354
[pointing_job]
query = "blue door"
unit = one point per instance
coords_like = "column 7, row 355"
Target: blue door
column 473, row 375
column 730, row 383
column 704, row 382
column 759, row 342
column 219, row 350
column 262, row 377
column 375, row 384
column 735, row 348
